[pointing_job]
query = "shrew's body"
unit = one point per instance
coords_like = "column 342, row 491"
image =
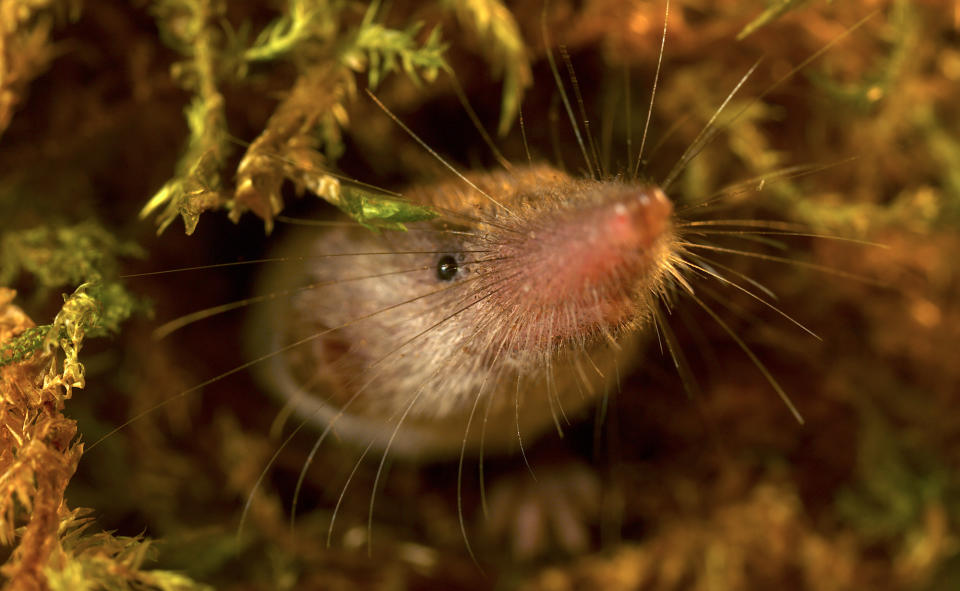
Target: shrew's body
column 514, row 308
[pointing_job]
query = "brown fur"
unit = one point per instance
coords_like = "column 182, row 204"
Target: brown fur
column 543, row 312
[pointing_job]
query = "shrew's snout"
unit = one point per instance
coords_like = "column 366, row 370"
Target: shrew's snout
column 585, row 268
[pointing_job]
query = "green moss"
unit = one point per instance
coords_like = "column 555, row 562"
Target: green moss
column 65, row 256
column 58, row 256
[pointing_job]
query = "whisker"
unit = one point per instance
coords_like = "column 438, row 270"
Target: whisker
column 653, row 91
column 523, row 136
column 755, row 234
column 776, row 259
column 756, row 360
column 745, row 223
column 700, row 142
column 563, row 94
column 260, row 359
column 438, row 323
column 680, row 363
column 759, row 182
column 343, row 495
column 484, row 506
column 433, row 153
column 201, row 385
column 776, row 309
column 705, row 134
column 583, row 111
column 713, row 263
column 289, row 259
column 350, row 224
column 516, row 416
column 462, row 97
column 167, row 328
column 628, row 115
column 556, row 412
column 463, row 452
column 656, row 328
column 762, row 238
column 329, row 426
column 248, row 505
column 399, row 423
column 383, row 461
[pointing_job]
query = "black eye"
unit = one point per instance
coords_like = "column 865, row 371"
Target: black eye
column 447, row 268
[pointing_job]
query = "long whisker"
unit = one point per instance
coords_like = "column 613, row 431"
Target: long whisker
column 744, row 223
column 776, row 259
column 405, row 412
column 680, row 362
column 383, row 461
column 463, row 453
column 713, row 263
column 247, row 506
column 759, row 182
column 583, row 111
column 523, row 136
column 653, row 91
column 290, row 260
column 310, row 457
column 484, row 506
column 313, row 451
column 340, row 413
column 441, row 321
column 433, row 153
column 755, row 233
column 628, row 115
column 563, row 93
column 167, row 328
column 705, row 134
column 260, row 359
column 516, row 416
column 726, row 281
column 462, row 97
column 704, row 138
column 756, row 360
column 378, row 363
column 343, row 495
column 350, row 224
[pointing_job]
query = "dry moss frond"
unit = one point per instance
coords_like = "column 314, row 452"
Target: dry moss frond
column 304, row 21
column 104, row 561
column 499, row 35
column 59, row 256
column 25, row 48
column 287, row 147
column 315, row 35
column 193, row 26
column 39, row 453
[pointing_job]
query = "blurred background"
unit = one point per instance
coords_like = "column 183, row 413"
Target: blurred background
column 217, row 113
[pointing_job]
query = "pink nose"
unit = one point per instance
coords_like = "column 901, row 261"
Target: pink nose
column 580, row 269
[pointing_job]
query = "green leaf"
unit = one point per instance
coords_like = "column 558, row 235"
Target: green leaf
column 376, row 211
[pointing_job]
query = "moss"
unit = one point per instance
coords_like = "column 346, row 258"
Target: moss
column 223, row 105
